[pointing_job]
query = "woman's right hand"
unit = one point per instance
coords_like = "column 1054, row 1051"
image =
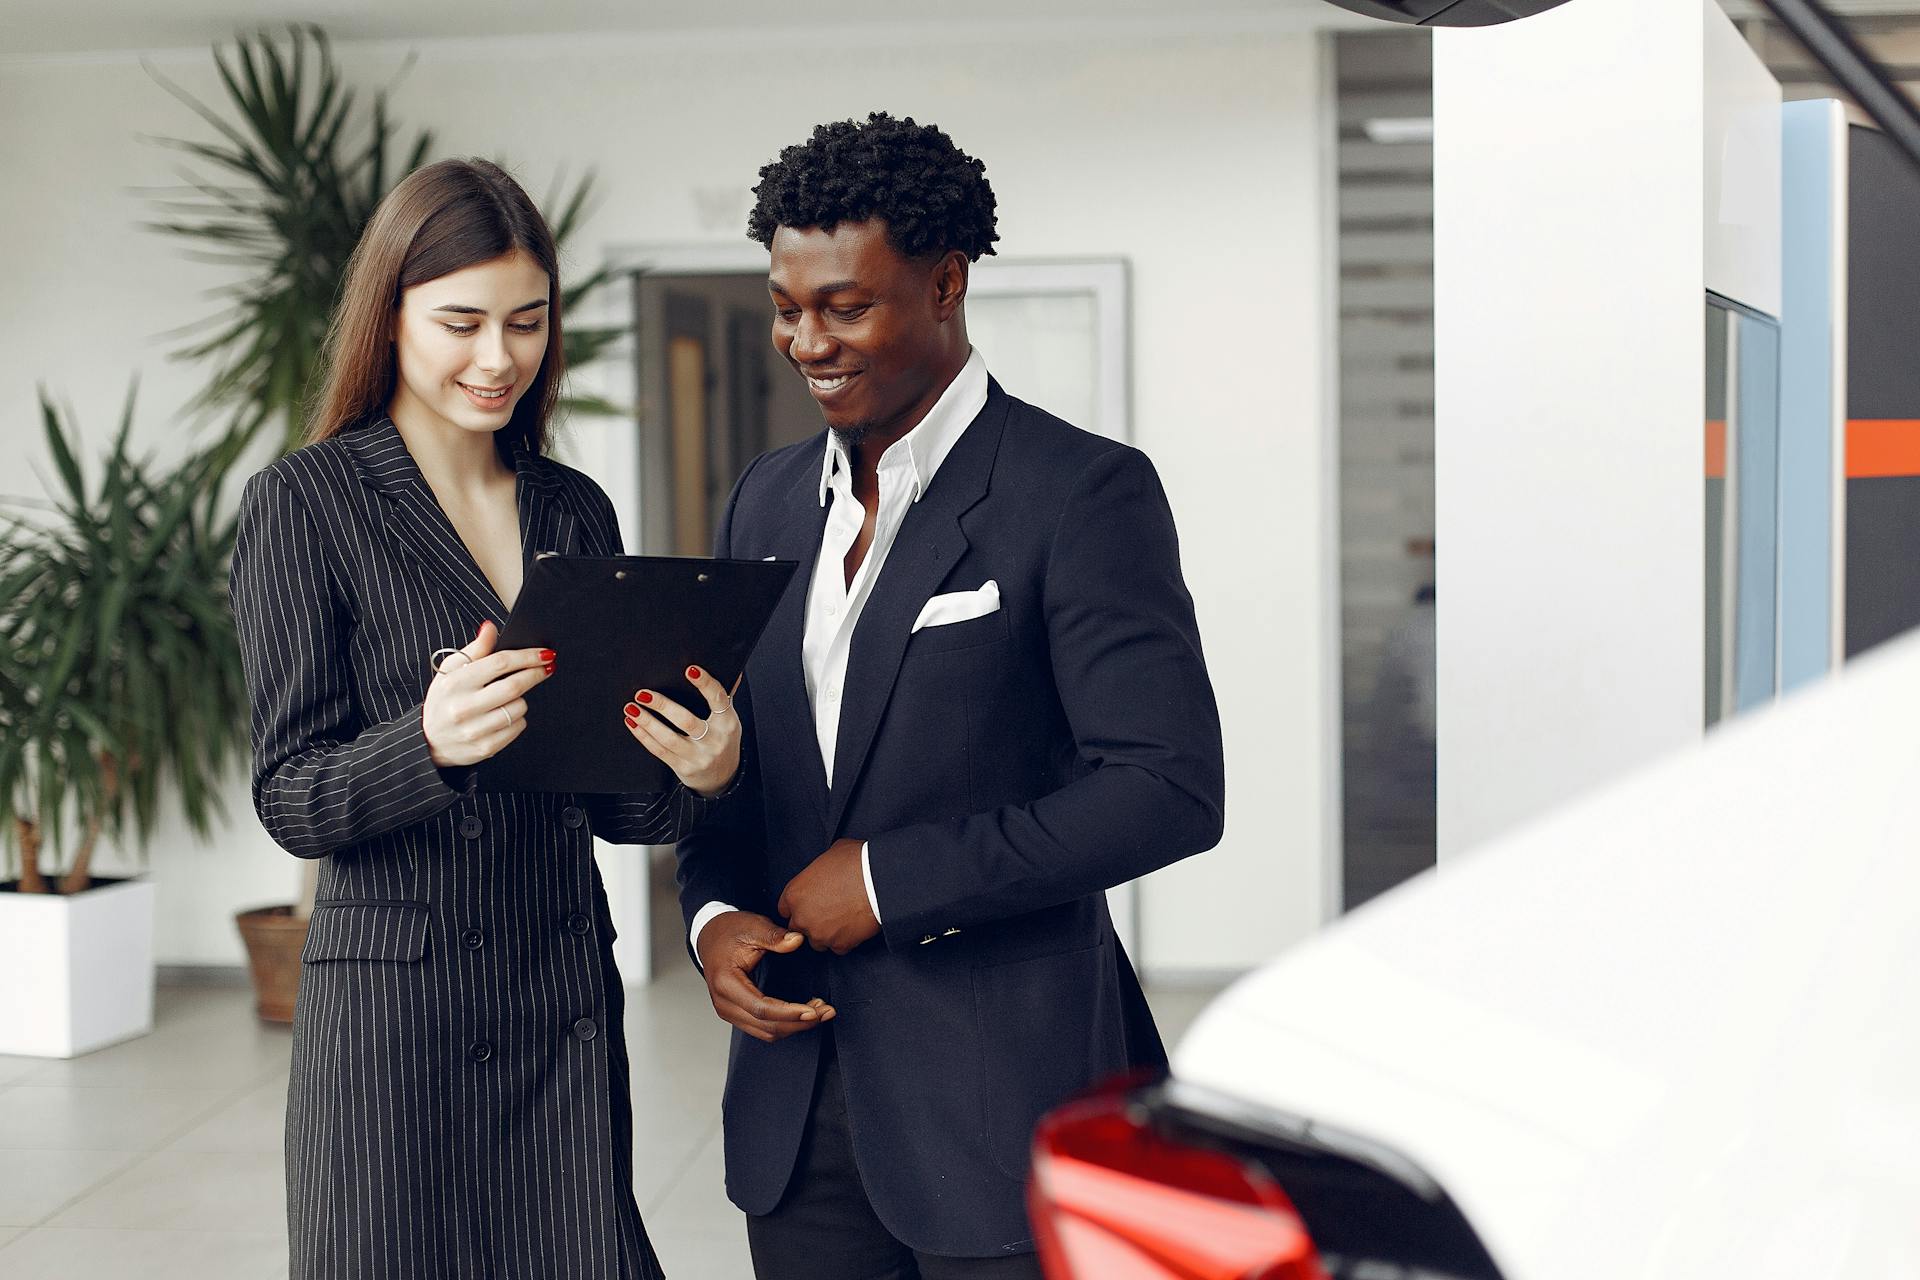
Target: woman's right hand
column 475, row 708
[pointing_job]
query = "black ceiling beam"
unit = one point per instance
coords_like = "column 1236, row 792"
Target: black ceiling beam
column 1834, row 48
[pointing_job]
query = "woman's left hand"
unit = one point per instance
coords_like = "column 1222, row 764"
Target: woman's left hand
column 706, row 753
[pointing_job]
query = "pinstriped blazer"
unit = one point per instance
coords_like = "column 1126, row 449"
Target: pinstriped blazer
column 458, row 1106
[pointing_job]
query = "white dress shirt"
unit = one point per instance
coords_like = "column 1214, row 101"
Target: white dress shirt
column 834, row 605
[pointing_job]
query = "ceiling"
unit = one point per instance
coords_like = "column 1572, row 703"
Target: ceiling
column 82, row 27
column 107, row 27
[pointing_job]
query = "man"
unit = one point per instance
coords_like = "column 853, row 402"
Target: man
column 980, row 704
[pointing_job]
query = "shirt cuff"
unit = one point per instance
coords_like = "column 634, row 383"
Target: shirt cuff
column 701, row 919
column 866, row 873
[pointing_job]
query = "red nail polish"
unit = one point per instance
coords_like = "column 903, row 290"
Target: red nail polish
column 693, row 673
column 632, row 723
column 549, row 668
column 631, row 710
column 546, row 655
column 644, row 698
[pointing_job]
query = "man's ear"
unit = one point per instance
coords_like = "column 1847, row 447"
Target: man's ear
column 950, row 284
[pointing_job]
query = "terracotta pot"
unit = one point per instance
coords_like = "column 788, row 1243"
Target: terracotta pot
column 274, row 937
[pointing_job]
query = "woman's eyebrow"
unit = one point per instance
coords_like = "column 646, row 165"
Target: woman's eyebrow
column 459, row 309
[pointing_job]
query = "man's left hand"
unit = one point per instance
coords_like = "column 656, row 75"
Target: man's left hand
column 828, row 901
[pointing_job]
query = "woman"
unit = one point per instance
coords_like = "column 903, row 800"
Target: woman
column 459, row 1096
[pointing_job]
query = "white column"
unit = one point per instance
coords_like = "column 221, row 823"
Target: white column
column 1571, row 174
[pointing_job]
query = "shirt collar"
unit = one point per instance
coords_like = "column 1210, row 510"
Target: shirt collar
column 931, row 440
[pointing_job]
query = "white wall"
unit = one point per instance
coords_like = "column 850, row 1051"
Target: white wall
column 1742, row 158
column 1570, row 266
column 1195, row 156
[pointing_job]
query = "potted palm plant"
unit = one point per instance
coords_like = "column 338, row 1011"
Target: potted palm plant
column 283, row 190
column 119, row 674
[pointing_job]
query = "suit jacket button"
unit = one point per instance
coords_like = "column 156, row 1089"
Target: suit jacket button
column 573, row 815
column 471, row 827
column 586, row 1029
column 473, row 939
column 480, row 1051
column 579, row 925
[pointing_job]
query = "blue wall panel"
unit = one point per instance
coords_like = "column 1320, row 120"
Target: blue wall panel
column 1813, row 172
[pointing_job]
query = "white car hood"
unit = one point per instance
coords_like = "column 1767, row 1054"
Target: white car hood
column 1672, row 1031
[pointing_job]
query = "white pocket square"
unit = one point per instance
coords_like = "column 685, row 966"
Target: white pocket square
column 959, row 606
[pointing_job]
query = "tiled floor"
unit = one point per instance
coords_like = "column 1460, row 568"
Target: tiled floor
column 160, row 1158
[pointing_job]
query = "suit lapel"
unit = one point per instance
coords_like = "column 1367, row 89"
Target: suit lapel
column 929, row 544
column 547, row 523
column 782, row 712
column 416, row 524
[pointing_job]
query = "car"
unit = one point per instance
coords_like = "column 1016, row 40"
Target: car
column 1670, row 1031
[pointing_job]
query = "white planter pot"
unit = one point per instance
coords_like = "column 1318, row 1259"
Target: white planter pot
column 76, row 971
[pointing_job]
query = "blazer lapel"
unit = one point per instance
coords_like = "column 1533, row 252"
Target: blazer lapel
column 781, row 710
column 929, row 544
column 416, row 524
column 547, row 523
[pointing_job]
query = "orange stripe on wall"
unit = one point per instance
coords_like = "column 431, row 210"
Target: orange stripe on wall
column 1883, row 447
column 1716, row 448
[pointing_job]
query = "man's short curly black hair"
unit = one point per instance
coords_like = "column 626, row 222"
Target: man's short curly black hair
column 933, row 196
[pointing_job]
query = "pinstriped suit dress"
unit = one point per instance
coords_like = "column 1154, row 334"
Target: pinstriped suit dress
column 458, row 1107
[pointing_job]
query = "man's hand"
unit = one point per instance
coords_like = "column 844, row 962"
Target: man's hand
column 730, row 948
column 828, row 901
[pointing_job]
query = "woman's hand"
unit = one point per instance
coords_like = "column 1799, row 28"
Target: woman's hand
column 705, row 753
column 476, row 707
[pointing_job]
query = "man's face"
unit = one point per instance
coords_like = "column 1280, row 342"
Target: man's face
column 862, row 323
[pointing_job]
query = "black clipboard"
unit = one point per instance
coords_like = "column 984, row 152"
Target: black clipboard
column 618, row 624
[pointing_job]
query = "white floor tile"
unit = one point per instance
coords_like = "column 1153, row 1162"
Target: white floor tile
column 54, row 1253
column 35, row 1184
column 664, row 1147
column 254, row 1121
column 1175, row 1008
column 61, row 1116
column 12, row 1068
column 704, row 1255
column 235, row 1053
column 697, row 1200
column 187, row 1191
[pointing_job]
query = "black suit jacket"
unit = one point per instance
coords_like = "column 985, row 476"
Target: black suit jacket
column 1005, row 771
column 458, row 1103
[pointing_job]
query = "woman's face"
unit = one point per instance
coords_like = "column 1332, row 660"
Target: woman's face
column 469, row 344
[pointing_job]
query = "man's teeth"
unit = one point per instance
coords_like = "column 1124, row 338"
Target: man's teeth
column 829, row 384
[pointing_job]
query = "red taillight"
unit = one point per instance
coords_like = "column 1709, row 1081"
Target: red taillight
column 1111, row 1199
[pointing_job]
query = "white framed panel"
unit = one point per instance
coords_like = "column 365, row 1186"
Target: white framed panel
column 1060, row 329
column 1083, row 307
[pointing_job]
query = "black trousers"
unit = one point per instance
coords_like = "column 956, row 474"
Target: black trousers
column 824, row 1228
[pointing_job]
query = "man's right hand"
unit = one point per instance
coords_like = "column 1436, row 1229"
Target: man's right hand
column 730, row 947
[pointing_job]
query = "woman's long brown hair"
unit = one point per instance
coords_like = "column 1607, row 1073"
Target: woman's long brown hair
column 437, row 220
